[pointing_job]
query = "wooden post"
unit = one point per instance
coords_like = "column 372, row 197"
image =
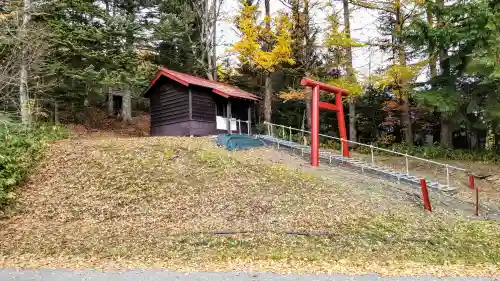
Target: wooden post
column 425, row 195
column 127, row 105
column 249, row 123
column 228, row 116
column 190, row 103
column 110, row 103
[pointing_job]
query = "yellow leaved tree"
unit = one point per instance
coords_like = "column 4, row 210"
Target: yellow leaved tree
column 342, row 44
column 399, row 77
column 264, row 45
column 339, row 44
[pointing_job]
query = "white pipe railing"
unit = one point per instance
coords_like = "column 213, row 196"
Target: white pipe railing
column 238, row 124
column 372, row 150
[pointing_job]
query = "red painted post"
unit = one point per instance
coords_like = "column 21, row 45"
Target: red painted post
column 341, row 122
column 425, row 195
column 315, row 127
column 472, row 184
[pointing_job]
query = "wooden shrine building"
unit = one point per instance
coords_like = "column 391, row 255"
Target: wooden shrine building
column 186, row 105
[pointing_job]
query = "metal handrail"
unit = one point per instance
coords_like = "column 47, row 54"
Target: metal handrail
column 238, row 121
column 372, row 148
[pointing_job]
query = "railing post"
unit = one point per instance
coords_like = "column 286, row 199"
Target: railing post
column 284, row 137
column 268, row 129
column 342, row 147
column 248, row 127
column 373, row 156
column 472, row 183
column 477, row 201
column 290, row 131
column 239, row 126
column 407, row 165
column 448, row 175
column 271, row 129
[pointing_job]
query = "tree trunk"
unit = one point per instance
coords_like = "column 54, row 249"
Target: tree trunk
column 353, row 132
column 446, row 132
column 86, row 112
column 309, row 108
column 350, row 73
column 24, row 99
column 56, row 112
column 267, row 46
column 302, row 127
column 207, row 42
column 268, row 92
column 496, row 147
column 432, row 57
column 214, row 42
column 446, row 139
column 127, row 89
column 406, row 120
column 108, row 8
column 405, row 114
column 267, row 5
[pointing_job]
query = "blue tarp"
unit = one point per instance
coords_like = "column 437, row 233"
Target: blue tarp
column 238, row 142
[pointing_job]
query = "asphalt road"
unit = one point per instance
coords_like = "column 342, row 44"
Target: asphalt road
column 150, row 275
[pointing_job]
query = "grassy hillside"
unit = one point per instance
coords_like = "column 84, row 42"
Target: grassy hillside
column 158, row 202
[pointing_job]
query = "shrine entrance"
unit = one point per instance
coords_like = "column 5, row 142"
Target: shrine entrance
column 316, row 105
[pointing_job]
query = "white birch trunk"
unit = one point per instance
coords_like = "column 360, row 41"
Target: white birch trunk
column 24, row 99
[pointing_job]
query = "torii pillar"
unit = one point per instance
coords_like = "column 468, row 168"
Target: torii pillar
column 316, row 105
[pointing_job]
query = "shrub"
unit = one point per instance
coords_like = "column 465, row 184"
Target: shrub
column 438, row 152
column 433, row 152
column 20, row 150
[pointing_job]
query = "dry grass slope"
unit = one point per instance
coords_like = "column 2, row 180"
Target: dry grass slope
column 155, row 202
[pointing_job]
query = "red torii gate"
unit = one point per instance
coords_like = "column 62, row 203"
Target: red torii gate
column 316, row 105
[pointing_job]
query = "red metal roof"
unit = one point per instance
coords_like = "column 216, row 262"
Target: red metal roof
column 221, row 89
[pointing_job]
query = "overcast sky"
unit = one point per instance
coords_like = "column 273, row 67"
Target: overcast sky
column 363, row 28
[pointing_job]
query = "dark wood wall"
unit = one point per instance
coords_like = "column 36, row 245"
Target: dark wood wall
column 171, row 114
column 169, row 103
column 203, row 103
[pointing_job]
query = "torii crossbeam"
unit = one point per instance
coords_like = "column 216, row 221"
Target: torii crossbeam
column 316, row 105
